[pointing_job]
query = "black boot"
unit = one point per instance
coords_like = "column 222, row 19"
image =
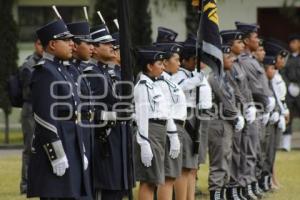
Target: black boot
column 249, row 193
column 232, row 194
column 241, row 193
column 256, row 190
column 215, row 195
column 264, row 183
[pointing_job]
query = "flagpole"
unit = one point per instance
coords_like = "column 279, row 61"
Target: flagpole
column 198, row 68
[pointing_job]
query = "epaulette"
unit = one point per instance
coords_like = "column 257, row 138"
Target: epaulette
column 87, row 69
column 146, row 83
column 39, row 64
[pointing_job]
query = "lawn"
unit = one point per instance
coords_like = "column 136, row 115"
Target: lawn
column 287, row 170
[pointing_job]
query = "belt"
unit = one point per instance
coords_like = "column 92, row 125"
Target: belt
column 76, row 116
column 179, row 122
column 158, row 121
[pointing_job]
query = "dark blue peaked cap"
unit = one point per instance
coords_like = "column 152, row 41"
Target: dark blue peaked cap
column 226, row 49
column 80, row 30
column 230, row 35
column 165, row 35
column 116, row 36
column 100, row 34
column 246, row 28
column 53, row 31
column 170, row 47
column 294, row 36
column 269, row 60
column 274, row 48
column 149, row 54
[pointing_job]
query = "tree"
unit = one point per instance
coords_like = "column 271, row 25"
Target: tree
column 8, row 55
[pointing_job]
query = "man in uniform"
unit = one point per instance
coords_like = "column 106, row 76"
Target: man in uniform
column 111, row 140
column 57, row 161
column 27, row 115
column 261, row 95
column 82, row 52
column 291, row 75
column 233, row 38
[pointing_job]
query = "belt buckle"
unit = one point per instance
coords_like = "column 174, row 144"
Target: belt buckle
column 77, row 117
column 91, row 115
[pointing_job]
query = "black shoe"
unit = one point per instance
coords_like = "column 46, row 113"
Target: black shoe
column 264, row 183
column 232, row 194
column 241, row 193
column 215, row 195
column 249, row 193
column 256, row 190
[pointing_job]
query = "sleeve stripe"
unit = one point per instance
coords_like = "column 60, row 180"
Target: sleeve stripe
column 45, row 124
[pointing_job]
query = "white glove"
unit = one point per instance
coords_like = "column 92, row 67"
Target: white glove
column 274, row 118
column 250, row 114
column 265, row 118
column 85, row 162
column 240, row 123
column 60, row 165
column 294, row 89
column 146, row 154
column 205, row 98
column 174, row 145
column 271, row 104
column 281, row 123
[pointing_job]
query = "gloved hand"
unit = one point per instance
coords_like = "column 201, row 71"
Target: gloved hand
column 274, row 118
column 281, row 123
column 250, row 114
column 146, row 154
column 294, row 89
column 265, row 118
column 239, row 124
column 85, row 162
column 174, row 145
column 60, row 165
column 271, row 104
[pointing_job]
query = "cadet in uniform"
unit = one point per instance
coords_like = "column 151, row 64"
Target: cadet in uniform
column 262, row 95
column 57, row 161
column 82, row 52
column 291, row 74
column 268, row 141
column 275, row 50
column 225, row 120
column 111, row 150
column 189, row 80
column 151, row 117
column 27, row 114
column 236, row 75
column 177, row 111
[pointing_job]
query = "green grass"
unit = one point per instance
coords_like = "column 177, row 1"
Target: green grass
column 287, row 171
column 15, row 137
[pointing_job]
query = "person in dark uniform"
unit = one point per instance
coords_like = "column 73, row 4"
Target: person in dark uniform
column 110, row 149
column 57, row 161
column 82, row 52
column 151, row 112
column 262, row 96
column 27, row 120
column 291, row 74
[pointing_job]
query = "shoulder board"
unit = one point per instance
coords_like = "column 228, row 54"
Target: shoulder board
column 39, row 64
column 146, row 83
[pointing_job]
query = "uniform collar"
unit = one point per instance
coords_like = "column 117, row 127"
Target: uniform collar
column 51, row 57
column 147, row 78
column 166, row 75
column 94, row 61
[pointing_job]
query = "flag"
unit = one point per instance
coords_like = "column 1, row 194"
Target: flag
column 211, row 40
